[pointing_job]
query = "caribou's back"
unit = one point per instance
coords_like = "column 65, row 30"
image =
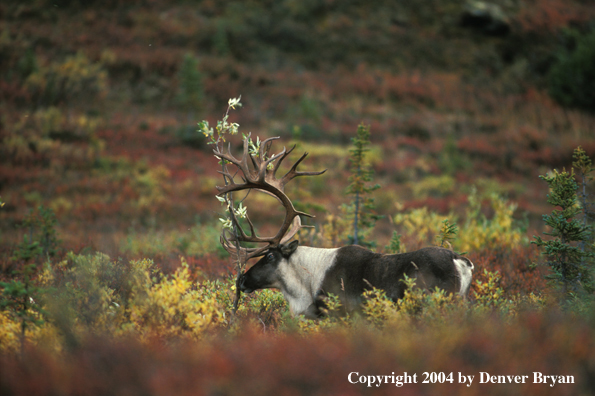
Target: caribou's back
column 357, row 269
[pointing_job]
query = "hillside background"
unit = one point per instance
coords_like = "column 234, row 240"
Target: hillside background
column 113, row 280
column 95, row 125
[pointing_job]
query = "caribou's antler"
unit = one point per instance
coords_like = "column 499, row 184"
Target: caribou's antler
column 260, row 174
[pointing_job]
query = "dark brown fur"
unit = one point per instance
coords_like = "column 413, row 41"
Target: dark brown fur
column 358, row 269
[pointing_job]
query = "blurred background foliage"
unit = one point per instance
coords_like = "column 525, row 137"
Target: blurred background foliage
column 109, row 254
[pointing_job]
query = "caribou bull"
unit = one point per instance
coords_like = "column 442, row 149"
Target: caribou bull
column 304, row 274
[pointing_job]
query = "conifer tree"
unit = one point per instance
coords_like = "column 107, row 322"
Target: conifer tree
column 394, row 246
column 362, row 205
column 21, row 297
column 190, row 90
column 565, row 258
column 447, row 233
column 190, row 97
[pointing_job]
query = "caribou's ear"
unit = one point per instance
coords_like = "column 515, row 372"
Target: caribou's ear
column 288, row 249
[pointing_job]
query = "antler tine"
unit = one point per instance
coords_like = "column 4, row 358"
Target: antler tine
column 242, row 164
column 263, row 145
column 263, row 172
column 295, row 227
column 228, row 157
column 244, row 168
column 245, row 253
column 293, row 172
column 227, row 245
column 278, row 163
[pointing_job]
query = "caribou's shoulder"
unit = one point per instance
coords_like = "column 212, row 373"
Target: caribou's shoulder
column 355, row 249
column 356, row 252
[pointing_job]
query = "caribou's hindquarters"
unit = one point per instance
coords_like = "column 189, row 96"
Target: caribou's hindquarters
column 357, row 269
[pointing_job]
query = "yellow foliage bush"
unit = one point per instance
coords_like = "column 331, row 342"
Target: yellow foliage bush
column 53, row 134
column 46, row 335
column 94, row 294
column 336, row 230
column 477, row 231
column 173, row 307
column 489, row 296
column 498, row 232
column 68, row 80
column 9, row 332
column 433, row 307
column 88, row 294
column 335, row 318
column 421, row 224
column 150, row 184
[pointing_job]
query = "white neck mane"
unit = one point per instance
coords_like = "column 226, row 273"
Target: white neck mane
column 303, row 275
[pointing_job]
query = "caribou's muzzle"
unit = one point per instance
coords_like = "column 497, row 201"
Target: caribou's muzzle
column 242, row 285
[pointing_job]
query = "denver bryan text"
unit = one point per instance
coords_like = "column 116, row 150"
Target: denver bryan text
column 433, row 378
column 538, row 378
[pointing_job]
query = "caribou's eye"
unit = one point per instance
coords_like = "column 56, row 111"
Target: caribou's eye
column 270, row 257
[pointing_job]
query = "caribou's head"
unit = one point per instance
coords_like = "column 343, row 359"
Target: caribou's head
column 265, row 274
column 258, row 172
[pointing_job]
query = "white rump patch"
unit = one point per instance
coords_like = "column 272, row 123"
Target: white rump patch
column 465, row 273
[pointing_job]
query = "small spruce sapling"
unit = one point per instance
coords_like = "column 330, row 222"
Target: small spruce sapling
column 362, row 205
column 564, row 257
column 447, row 233
column 394, row 246
column 190, row 91
column 190, row 96
column 45, row 244
column 20, row 296
column 22, row 299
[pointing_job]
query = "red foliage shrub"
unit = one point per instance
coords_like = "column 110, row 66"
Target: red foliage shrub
column 211, row 265
column 550, row 15
column 255, row 363
column 517, row 268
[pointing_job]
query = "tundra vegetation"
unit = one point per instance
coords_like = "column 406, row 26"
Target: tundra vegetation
column 112, row 277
